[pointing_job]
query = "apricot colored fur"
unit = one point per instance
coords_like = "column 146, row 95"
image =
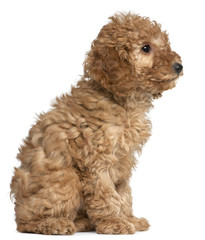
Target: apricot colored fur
column 77, row 159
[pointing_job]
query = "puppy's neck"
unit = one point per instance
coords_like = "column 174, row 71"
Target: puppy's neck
column 138, row 99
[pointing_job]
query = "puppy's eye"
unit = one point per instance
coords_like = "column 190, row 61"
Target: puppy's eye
column 146, row 48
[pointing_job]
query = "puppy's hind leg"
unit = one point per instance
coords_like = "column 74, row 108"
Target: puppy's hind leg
column 50, row 226
column 53, row 208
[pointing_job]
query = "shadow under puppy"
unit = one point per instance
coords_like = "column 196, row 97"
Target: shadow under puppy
column 77, row 159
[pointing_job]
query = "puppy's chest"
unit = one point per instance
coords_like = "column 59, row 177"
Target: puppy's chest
column 129, row 135
column 123, row 140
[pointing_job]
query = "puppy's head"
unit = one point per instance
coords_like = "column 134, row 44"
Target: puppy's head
column 132, row 53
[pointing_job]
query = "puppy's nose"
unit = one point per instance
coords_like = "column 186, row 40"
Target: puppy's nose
column 177, row 67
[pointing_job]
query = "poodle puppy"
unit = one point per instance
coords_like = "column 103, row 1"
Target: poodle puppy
column 77, row 159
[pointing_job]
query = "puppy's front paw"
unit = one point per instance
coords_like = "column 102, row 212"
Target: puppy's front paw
column 115, row 225
column 141, row 224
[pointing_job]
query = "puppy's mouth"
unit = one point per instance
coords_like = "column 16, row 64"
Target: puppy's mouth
column 163, row 84
column 176, row 77
column 167, row 78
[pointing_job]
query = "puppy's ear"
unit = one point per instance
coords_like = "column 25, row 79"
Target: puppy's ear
column 107, row 63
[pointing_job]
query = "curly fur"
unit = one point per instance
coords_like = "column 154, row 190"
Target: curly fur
column 77, row 159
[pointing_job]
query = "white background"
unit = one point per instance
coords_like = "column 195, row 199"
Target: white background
column 42, row 48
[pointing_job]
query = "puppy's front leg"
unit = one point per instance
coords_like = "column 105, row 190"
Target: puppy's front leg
column 124, row 191
column 103, row 205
